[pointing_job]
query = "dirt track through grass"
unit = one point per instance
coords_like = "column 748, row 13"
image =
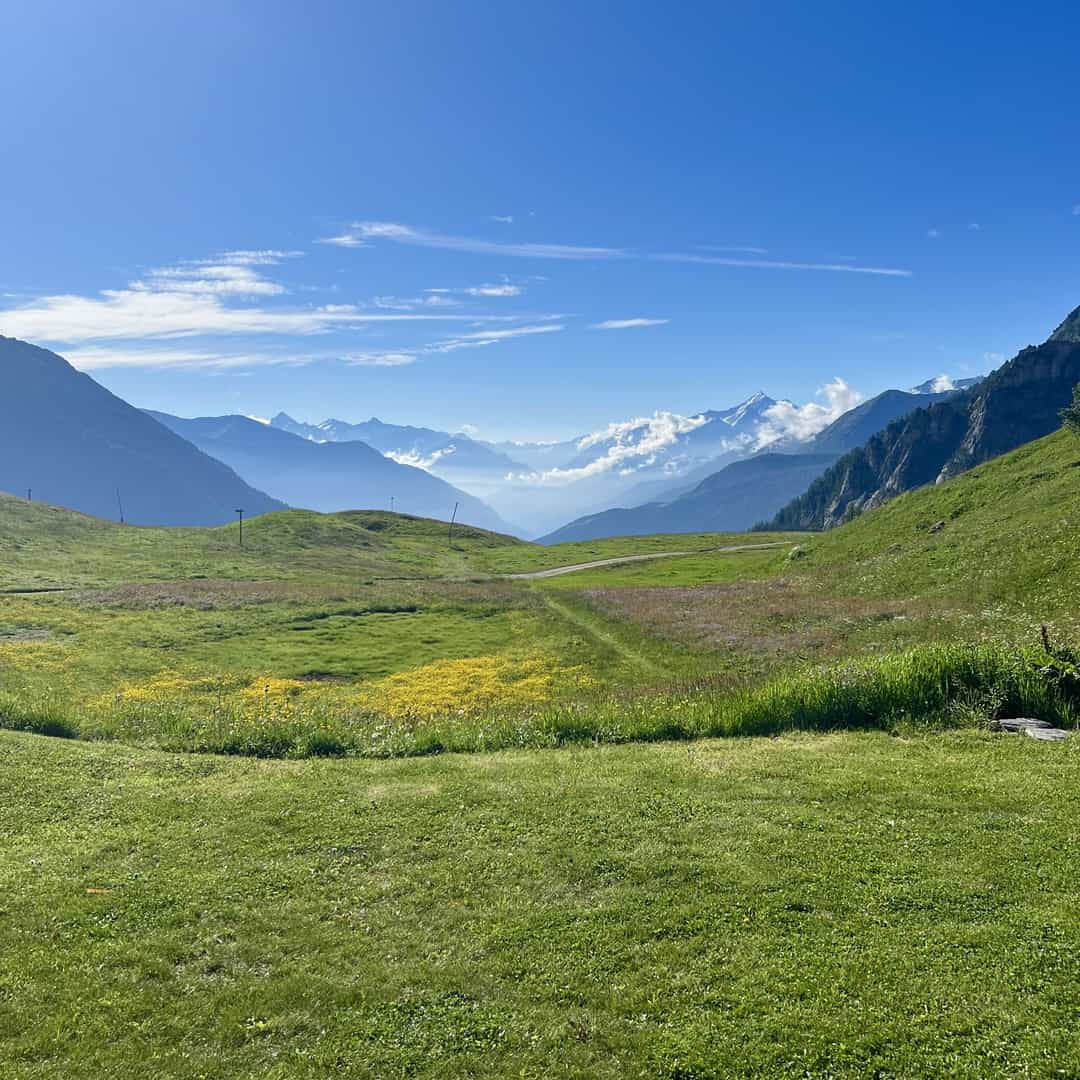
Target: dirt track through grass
column 594, row 629
column 559, row 571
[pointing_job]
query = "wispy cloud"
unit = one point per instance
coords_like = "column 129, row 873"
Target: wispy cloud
column 197, row 297
column 345, row 240
column 99, row 358
column 417, row 460
column 384, row 359
column 485, row 291
column 1076, row 210
column 491, row 337
column 777, row 264
column 785, row 420
column 361, row 232
column 247, row 257
column 493, row 290
column 627, row 324
column 504, row 219
column 411, row 303
column 737, row 249
column 477, row 340
column 933, row 234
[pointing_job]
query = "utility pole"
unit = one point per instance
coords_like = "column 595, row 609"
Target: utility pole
column 120, row 503
column 241, row 513
column 453, row 518
column 391, row 504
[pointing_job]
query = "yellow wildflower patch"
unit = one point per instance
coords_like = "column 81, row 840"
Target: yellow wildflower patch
column 32, row 656
column 168, row 686
column 269, row 688
column 468, row 686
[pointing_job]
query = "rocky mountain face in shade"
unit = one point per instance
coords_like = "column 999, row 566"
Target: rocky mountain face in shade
column 1016, row 404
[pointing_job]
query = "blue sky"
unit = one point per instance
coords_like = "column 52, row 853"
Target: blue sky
column 441, row 213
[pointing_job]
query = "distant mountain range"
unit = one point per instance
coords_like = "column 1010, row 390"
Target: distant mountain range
column 1016, row 404
column 746, row 491
column 437, row 451
column 327, row 476
column 71, row 442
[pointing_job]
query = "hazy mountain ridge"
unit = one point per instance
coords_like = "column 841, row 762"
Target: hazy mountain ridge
column 424, row 447
column 77, row 445
column 328, row 476
column 1014, row 405
column 727, row 501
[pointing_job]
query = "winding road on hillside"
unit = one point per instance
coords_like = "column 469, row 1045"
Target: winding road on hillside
column 558, row 571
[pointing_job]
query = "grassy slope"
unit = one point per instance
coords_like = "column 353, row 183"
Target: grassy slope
column 42, row 546
column 1008, row 537
column 844, row 906
column 342, row 598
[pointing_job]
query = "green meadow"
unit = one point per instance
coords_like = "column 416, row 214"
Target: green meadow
column 844, row 905
column 352, row 799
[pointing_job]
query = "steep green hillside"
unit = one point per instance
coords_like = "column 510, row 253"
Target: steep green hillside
column 1005, row 533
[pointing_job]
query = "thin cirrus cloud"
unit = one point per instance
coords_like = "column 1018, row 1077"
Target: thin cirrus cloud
column 627, row 324
column 476, row 340
column 100, row 357
column 491, row 337
column 361, row 233
column 778, row 264
column 483, row 291
column 385, row 359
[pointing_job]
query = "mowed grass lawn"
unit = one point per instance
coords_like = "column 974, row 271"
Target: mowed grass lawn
column 846, row 905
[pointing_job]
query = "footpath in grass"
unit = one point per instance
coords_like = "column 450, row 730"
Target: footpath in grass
column 845, row 905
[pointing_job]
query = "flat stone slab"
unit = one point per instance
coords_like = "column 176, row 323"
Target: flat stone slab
column 1034, row 729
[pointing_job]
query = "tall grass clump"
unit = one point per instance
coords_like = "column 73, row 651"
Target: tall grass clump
column 36, row 713
column 927, row 684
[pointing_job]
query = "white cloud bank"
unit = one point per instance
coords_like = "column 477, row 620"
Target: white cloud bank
column 785, row 420
column 635, row 444
column 416, row 459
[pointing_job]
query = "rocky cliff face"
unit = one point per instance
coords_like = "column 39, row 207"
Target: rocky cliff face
column 1016, row 404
